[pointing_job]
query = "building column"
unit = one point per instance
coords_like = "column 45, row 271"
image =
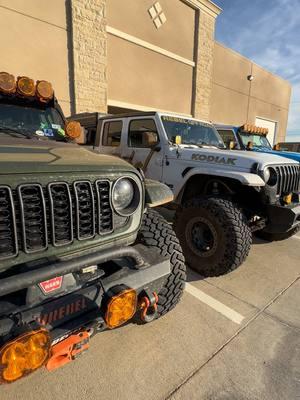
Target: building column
column 204, row 54
column 89, row 40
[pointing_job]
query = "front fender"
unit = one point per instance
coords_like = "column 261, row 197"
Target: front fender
column 157, row 193
column 245, row 178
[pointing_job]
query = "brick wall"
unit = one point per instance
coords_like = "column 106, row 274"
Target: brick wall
column 89, row 55
column 204, row 66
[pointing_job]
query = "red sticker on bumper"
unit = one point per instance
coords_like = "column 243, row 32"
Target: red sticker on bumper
column 51, row 285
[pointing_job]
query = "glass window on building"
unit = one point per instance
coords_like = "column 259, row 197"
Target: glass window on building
column 112, row 133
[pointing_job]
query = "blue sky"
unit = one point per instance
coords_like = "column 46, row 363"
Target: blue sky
column 268, row 32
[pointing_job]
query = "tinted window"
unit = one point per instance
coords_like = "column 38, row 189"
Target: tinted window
column 227, row 136
column 142, row 133
column 112, row 133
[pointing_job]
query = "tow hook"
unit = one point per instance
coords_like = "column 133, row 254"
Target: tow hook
column 148, row 306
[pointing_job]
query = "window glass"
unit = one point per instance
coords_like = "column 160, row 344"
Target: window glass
column 142, row 133
column 112, row 133
column 259, row 141
column 191, row 132
column 228, row 136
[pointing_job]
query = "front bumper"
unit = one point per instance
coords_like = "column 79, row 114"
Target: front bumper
column 82, row 307
column 282, row 219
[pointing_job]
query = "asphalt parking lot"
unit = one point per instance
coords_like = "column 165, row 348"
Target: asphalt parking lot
column 231, row 337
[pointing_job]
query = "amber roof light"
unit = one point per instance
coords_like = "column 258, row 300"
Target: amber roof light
column 44, row 91
column 7, row 83
column 25, row 86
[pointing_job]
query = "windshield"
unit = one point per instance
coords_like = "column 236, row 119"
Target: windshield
column 258, row 141
column 29, row 121
column 191, row 132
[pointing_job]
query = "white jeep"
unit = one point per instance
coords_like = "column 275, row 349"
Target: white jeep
column 220, row 196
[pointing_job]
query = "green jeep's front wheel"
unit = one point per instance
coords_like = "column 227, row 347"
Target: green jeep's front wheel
column 156, row 233
column 214, row 235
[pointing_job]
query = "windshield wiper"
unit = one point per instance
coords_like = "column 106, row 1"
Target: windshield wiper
column 15, row 132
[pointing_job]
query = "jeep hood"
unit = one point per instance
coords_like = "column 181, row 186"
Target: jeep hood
column 30, row 156
column 287, row 154
column 233, row 159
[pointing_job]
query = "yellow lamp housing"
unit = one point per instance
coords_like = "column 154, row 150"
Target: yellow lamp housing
column 44, row 91
column 23, row 355
column 73, row 129
column 7, row 83
column 25, row 86
column 121, row 308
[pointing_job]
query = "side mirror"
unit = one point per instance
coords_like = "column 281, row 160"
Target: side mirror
column 73, row 129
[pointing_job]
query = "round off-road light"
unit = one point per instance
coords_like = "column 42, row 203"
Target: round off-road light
column 7, row 83
column 73, row 129
column 44, row 91
column 24, row 355
column 25, row 86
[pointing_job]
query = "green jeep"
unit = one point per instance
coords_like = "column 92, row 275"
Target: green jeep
column 81, row 250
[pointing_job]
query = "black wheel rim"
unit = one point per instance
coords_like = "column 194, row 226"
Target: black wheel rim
column 202, row 236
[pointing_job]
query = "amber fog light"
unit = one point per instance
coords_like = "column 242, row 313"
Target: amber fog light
column 121, row 308
column 24, row 355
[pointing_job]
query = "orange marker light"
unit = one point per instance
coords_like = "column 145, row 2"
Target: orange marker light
column 73, row 129
column 44, row 91
column 24, row 355
column 121, row 308
column 25, row 86
column 7, row 83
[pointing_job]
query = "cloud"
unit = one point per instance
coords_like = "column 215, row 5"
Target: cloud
column 268, row 33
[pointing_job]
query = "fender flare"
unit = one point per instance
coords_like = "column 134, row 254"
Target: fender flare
column 245, row 178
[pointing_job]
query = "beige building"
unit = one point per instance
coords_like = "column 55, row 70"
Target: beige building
column 118, row 55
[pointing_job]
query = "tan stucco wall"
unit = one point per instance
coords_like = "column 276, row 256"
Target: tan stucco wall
column 176, row 35
column 141, row 77
column 236, row 100
column 34, row 43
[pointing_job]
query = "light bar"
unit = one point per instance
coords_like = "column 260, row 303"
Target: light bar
column 7, row 83
column 249, row 128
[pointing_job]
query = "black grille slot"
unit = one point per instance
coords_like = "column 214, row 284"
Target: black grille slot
column 8, row 235
column 105, row 222
column 288, row 179
column 60, row 213
column 85, row 210
column 33, row 218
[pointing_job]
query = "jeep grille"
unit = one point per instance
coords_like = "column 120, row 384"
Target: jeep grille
column 34, row 217
column 288, row 179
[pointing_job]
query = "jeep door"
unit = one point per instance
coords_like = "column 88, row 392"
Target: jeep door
column 141, row 146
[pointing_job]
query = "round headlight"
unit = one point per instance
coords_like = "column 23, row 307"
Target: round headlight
column 266, row 174
column 125, row 196
column 270, row 176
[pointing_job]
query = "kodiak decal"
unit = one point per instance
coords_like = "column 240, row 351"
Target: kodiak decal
column 214, row 159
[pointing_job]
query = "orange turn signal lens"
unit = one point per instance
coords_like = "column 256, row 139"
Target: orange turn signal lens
column 121, row 308
column 7, row 83
column 24, row 355
column 25, row 86
column 73, row 129
column 44, row 91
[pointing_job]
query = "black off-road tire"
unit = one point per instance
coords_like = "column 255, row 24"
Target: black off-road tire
column 232, row 237
column 156, row 233
column 276, row 237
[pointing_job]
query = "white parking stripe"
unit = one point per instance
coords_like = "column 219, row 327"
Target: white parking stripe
column 215, row 304
column 296, row 237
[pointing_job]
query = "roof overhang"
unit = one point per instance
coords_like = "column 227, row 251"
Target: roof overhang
column 205, row 5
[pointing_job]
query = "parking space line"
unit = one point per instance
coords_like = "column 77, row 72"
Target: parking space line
column 296, row 237
column 215, row 304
